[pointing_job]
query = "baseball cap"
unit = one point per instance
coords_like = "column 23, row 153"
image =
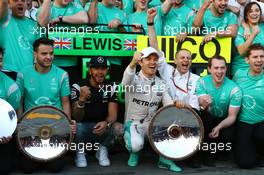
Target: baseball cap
column 98, row 62
column 148, row 51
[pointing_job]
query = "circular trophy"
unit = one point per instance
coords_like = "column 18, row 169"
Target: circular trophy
column 8, row 119
column 176, row 133
column 44, row 133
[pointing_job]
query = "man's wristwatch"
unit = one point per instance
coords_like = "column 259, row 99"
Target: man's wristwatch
column 60, row 19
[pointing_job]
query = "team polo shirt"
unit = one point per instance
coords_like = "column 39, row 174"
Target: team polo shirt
column 17, row 37
column 128, row 5
column 96, row 107
column 141, row 18
column 252, row 108
column 138, row 18
column 239, row 63
column 177, row 20
column 43, row 89
column 9, row 91
column 217, row 23
column 227, row 95
column 194, row 4
column 71, row 9
column 107, row 14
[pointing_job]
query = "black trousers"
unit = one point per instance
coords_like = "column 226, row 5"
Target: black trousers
column 7, row 158
column 28, row 166
column 249, row 138
column 225, row 134
column 222, row 145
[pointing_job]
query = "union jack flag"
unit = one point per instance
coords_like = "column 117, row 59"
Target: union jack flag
column 62, row 43
column 130, row 44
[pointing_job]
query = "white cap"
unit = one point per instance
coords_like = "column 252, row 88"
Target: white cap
column 147, row 51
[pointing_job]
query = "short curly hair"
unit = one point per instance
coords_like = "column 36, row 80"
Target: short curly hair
column 256, row 46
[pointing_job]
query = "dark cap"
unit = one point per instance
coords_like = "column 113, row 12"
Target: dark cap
column 98, row 62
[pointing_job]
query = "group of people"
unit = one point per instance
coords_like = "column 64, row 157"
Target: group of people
column 231, row 110
column 43, row 83
column 241, row 20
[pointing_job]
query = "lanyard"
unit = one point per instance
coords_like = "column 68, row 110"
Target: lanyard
column 185, row 91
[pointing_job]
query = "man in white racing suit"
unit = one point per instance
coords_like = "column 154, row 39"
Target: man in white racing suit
column 144, row 94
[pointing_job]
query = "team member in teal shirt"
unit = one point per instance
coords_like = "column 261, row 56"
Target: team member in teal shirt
column 128, row 5
column 172, row 19
column 249, row 135
column 44, row 84
column 139, row 18
column 9, row 92
column 105, row 13
column 252, row 19
column 215, row 20
column 17, row 34
column 220, row 100
column 71, row 13
column 177, row 19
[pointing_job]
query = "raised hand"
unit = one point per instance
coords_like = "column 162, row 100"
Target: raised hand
column 207, row 3
column 205, row 101
column 151, row 13
column 114, row 23
column 215, row 132
column 181, row 37
column 85, row 93
column 137, row 27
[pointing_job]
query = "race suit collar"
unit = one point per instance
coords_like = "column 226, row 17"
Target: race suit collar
column 146, row 78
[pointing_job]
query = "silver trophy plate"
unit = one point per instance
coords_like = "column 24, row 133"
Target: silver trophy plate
column 44, row 133
column 176, row 133
column 8, row 119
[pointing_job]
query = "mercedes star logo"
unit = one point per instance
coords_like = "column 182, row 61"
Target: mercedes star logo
column 100, row 59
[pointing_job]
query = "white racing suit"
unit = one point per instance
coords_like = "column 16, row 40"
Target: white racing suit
column 143, row 97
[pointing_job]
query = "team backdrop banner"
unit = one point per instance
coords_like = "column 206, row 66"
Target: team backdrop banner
column 124, row 45
column 93, row 44
column 200, row 52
